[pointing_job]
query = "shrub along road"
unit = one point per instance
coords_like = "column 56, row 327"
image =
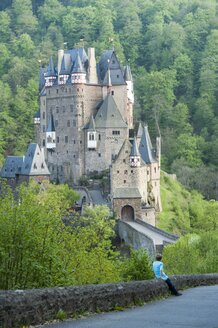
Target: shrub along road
column 197, row 307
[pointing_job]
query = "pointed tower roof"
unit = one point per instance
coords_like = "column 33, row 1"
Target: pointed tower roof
column 107, row 79
column 34, row 162
column 51, row 69
column 134, row 150
column 145, row 147
column 78, row 66
column 127, row 73
column 91, row 123
column 63, row 70
column 108, row 115
column 51, row 126
column 140, row 130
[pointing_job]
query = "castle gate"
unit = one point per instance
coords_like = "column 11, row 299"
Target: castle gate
column 127, row 213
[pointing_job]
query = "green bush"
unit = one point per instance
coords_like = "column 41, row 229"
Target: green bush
column 137, row 267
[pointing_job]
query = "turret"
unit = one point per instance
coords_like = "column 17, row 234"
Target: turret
column 135, row 158
column 50, row 134
column 50, row 75
column 92, row 134
column 37, row 118
column 63, row 74
column 78, row 74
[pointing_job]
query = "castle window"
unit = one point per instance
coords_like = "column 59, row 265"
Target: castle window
column 68, row 123
column 116, row 132
column 126, row 151
column 43, row 115
column 56, row 123
column 42, row 166
column 131, row 171
column 118, row 76
column 99, row 137
column 124, row 181
column 118, row 172
column 91, row 136
column 147, row 172
column 57, row 139
column 74, row 141
column 112, row 92
column 66, row 139
column 155, row 170
column 43, row 128
column 57, row 109
column 113, row 61
column 49, row 92
column 35, row 166
column 67, row 151
column 43, row 142
column 71, row 107
column 124, row 161
column 74, row 156
column 56, row 90
column 81, row 142
column 125, row 172
column 99, row 155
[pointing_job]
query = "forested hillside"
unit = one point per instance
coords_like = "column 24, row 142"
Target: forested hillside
column 172, row 47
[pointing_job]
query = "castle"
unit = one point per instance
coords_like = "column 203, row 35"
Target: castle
column 84, row 125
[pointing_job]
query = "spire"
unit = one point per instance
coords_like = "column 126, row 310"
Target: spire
column 145, row 147
column 51, row 127
column 78, row 66
column 63, row 70
column 140, row 130
column 51, row 69
column 92, row 123
column 134, row 150
column 127, row 74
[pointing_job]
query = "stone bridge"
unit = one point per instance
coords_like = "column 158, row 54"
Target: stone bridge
column 141, row 234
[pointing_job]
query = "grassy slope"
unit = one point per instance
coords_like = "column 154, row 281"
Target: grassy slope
column 176, row 201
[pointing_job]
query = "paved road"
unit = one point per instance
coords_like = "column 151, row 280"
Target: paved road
column 196, row 308
column 157, row 237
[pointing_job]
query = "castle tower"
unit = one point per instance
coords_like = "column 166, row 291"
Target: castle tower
column 51, row 74
column 78, row 74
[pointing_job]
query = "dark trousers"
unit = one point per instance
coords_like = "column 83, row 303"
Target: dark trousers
column 171, row 286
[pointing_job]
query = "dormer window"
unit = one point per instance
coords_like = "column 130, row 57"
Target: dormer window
column 35, row 166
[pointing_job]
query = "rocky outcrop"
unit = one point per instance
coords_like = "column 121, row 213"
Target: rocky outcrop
column 36, row 306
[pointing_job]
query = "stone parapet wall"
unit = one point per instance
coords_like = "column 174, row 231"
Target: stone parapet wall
column 36, row 306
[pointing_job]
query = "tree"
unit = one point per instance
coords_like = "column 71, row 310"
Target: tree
column 23, row 17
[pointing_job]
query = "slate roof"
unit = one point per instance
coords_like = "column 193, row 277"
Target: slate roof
column 134, row 150
column 127, row 74
column 12, row 165
column 108, row 115
column 63, row 70
column 127, row 193
column 51, row 126
column 107, row 61
column 34, row 162
column 140, row 130
column 78, row 66
column 42, row 77
column 145, row 147
column 51, row 70
column 91, row 123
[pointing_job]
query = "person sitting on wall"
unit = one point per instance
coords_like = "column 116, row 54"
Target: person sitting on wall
column 159, row 274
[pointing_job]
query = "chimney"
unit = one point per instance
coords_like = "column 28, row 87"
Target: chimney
column 60, row 57
column 92, row 72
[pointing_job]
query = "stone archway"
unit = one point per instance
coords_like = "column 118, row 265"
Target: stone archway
column 127, row 213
